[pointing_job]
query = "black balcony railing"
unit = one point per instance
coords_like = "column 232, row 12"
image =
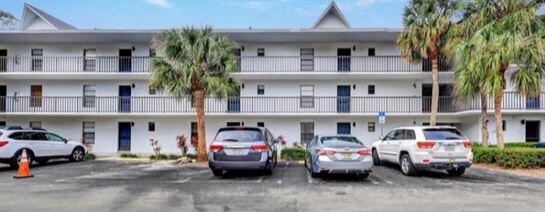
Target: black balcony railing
column 512, row 101
column 244, row 64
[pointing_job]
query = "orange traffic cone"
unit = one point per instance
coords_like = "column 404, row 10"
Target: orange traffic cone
column 24, row 169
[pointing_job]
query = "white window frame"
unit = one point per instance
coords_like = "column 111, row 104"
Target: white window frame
column 89, row 95
column 306, row 96
column 89, row 132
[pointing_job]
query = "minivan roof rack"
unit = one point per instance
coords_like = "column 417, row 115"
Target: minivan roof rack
column 13, row 128
column 38, row 128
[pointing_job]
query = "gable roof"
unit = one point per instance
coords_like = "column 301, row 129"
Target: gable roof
column 331, row 11
column 31, row 12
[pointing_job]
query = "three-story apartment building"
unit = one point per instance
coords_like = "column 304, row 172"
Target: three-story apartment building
column 329, row 78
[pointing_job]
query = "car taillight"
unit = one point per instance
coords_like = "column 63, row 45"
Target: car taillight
column 425, row 144
column 215, row 147
column 328, row 152
column 259, row 148
column 3, row 143
column 467, row 144
column 364, row 152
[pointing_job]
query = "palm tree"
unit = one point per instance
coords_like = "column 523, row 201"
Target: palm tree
column 196, row 63
column 427, row 24
column 502, row 33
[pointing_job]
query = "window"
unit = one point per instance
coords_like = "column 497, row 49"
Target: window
column 443, row 134
column 2, row 124
column 89, row 59
column 36, row 124
column 239, row 135
column 53, row 137
column 307, row 96
column 371, row 52
column 260, row 89
column 344, row 128
column 261, row 124
column 152, row 53
column 235, row 124
column 35, row 96
column 89, row 95
column 399, row 135
column 371, row 127
column 307, row 131
column 307, row 59
column 34, row 136
column 37, row 59
column 504, row 125
column 89, row 132
column 151, row 126
column 409, row 135
column 261, row 52
column 389, row 136
column 371, row 89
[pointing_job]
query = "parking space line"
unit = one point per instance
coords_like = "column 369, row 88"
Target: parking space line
column 373, row 181
column 279, row 181
column 184, row 180
column 309, row 178
column 385, row 180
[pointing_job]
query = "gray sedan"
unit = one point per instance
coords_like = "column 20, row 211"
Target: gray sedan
column 338, row 154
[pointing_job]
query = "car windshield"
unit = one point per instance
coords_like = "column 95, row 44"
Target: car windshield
column 443, row 134
column 239, row 135
column 332, row 141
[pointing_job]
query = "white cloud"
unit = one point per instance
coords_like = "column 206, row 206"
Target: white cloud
column 160, row 3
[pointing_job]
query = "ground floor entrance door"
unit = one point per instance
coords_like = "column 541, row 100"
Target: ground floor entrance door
column 532, row 131
column 124, row 136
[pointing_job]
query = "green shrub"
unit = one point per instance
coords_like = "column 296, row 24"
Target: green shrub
column 521, row 158
column 159, row 157
column 191, row 156
column 174, row 157
column 485, row 154
column 90, row 156
column 521, row 145
column 128, row 155
column 512, row 157
column 293, row 154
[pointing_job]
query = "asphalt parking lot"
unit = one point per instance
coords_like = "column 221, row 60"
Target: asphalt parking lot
column 132, row 186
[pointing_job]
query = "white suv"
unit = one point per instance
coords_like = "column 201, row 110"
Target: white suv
column 417, row 148
column 40, row 145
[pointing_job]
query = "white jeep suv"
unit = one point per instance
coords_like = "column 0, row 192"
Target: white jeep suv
column 418, row 148
column 40, row 144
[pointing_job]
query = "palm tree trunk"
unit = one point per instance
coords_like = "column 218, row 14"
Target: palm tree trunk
column 435, row 90
column 201, row 136
column 498, row 98
column 484, row 119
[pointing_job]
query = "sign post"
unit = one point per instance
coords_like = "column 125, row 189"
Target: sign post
column 381, row 121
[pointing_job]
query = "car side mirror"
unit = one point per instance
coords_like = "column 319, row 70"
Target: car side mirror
column 275, row 141
column 381, row 138
column 65, row 140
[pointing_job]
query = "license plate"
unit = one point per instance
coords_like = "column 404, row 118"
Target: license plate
column 452, row 160
column 237, row 152
column 347, row 155
column 449, row 148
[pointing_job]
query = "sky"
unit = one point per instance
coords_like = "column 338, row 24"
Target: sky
column 159, row 14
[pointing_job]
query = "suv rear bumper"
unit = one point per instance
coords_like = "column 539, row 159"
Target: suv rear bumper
column 237, row 165
column 442, row 165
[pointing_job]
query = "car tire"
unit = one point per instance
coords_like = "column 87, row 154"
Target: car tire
column 407, row 166
column 376, row 158
column 270, row 168
column 78, row 154
column 364, row 175
column 42, row 161
column 456, row 172
column 217, row 172
column 17, row 157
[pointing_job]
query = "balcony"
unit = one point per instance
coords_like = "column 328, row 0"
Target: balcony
column 255, row 105
column 280, row 64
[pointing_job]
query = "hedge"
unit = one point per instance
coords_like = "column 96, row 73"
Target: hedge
column 90, row 156
column 510, row 157
column 293, row 154
column 516, row 145
column 128, row 155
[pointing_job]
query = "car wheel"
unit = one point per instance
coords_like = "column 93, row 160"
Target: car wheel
column 407, row 166
column 456, row 172
column 376, row 159
column 217, row 172
column 42, row 161
column 363, row 175
column 77, row 154
column 270, row 168
column 17, row 159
